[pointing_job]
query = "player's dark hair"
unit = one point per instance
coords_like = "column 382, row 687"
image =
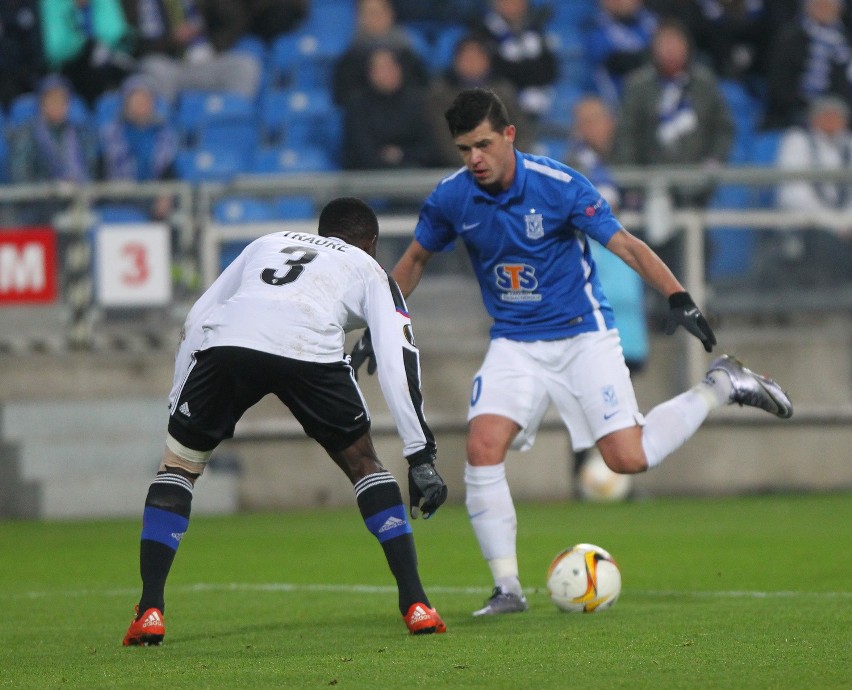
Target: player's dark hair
column 350, row 219
column 472, row 107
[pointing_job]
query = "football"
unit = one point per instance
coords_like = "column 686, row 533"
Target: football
column 597, row 483
column 584, row 579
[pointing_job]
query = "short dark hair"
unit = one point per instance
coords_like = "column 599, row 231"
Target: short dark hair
column 473, row 106
column 350, row 219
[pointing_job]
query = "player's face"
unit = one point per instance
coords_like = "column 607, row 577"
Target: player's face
column 489, row 155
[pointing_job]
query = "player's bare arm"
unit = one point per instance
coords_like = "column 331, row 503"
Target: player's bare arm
column 682, row 310
column 409, row 268
column 644, row 260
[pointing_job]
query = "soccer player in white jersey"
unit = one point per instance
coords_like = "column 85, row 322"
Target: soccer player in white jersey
column 525, row 221
column 274, row 322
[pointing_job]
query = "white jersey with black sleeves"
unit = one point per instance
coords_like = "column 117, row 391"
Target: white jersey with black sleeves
column 296, row 295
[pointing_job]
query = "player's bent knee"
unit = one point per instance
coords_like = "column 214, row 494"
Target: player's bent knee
column 626, row 463
column 187, row 459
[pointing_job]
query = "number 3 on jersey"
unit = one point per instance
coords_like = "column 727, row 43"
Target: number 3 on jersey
column 292, row 267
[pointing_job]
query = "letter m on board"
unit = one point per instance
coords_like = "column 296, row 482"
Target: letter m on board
column 27, row 266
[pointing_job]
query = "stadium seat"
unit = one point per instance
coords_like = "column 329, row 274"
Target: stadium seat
column 441, row 56
column 4, row 157
column 212, row 117
column 248, row 209
column 292, row 160
column 253, row 46
column 731, row 249
column 295, row 207
column 214, row 164
column 121, row 213
column 300, row 117
column 337, row 16
column 243, row 209
column 764, row 152
column 306, row 57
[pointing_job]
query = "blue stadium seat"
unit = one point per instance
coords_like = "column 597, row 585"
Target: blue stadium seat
column 300, row 117
column 214, row 164
column 295, row 207
column 336, row 16
column 746, row 110
column 253, row 46
column 4, row 157
column 292, row 160
column 211, row 117
column 764, row 152
column 552, row 147
column 240, row 209
column 731, row 249
column 764, row 147
column 121, row 213
column 305, row 58
column 441, row 56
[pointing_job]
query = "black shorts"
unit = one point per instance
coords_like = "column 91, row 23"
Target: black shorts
column 224, row 382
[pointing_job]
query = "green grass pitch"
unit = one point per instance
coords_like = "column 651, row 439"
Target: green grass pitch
column 749, row 592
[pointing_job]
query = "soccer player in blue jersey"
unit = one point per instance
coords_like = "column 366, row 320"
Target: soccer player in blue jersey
column 525, row 221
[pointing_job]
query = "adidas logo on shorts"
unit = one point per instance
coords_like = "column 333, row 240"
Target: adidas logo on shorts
column 184, row 410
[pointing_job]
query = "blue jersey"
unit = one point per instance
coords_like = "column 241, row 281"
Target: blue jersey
column 528, row 246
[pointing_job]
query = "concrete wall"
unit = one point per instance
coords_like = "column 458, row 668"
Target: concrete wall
column 82, row 433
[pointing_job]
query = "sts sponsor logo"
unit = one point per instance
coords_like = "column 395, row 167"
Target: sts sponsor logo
column 517, row 282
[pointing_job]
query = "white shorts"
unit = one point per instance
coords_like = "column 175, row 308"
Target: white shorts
column 585, row 378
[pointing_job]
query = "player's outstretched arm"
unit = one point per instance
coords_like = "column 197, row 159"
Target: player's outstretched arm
column 409, row 268
column 682, row 310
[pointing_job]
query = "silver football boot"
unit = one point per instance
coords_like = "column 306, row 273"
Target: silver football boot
column 502, row 602
column 752, row 389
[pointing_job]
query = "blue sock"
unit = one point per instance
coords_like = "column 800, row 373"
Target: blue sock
column 380, row 502
column 164, row 522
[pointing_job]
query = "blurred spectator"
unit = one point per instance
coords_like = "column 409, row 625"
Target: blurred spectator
column 227, row 21
column 375, row 28
column 516, row 32
column 673, row 112
column 822, row 253
column 590, row 145
column 271, row 18
column 386, row 125
column 21, row 53
column 175, row 49
column 471, row 67
column 618, row 41
column 87, row 41
column 810, row 57
column 51, row 147
column 440, row 11
column 733, row 36
column 138, row 145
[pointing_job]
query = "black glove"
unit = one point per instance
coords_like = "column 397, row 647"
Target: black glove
column 426, row 490
column 683, row 312
column 363, row 352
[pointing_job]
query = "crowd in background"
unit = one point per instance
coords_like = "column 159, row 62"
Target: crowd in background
column 103, row 89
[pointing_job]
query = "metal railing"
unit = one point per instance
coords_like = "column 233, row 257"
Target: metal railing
column 197, row 238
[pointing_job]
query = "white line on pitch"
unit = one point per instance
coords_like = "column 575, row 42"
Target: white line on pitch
column 385, row 589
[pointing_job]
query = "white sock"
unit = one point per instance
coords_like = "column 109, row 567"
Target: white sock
column 670, row 424
column 492, row 516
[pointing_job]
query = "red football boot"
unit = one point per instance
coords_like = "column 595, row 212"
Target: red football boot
column 147, row 630
column 421, row 620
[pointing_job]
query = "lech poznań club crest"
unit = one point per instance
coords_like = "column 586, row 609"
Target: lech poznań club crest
column 535, row 225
